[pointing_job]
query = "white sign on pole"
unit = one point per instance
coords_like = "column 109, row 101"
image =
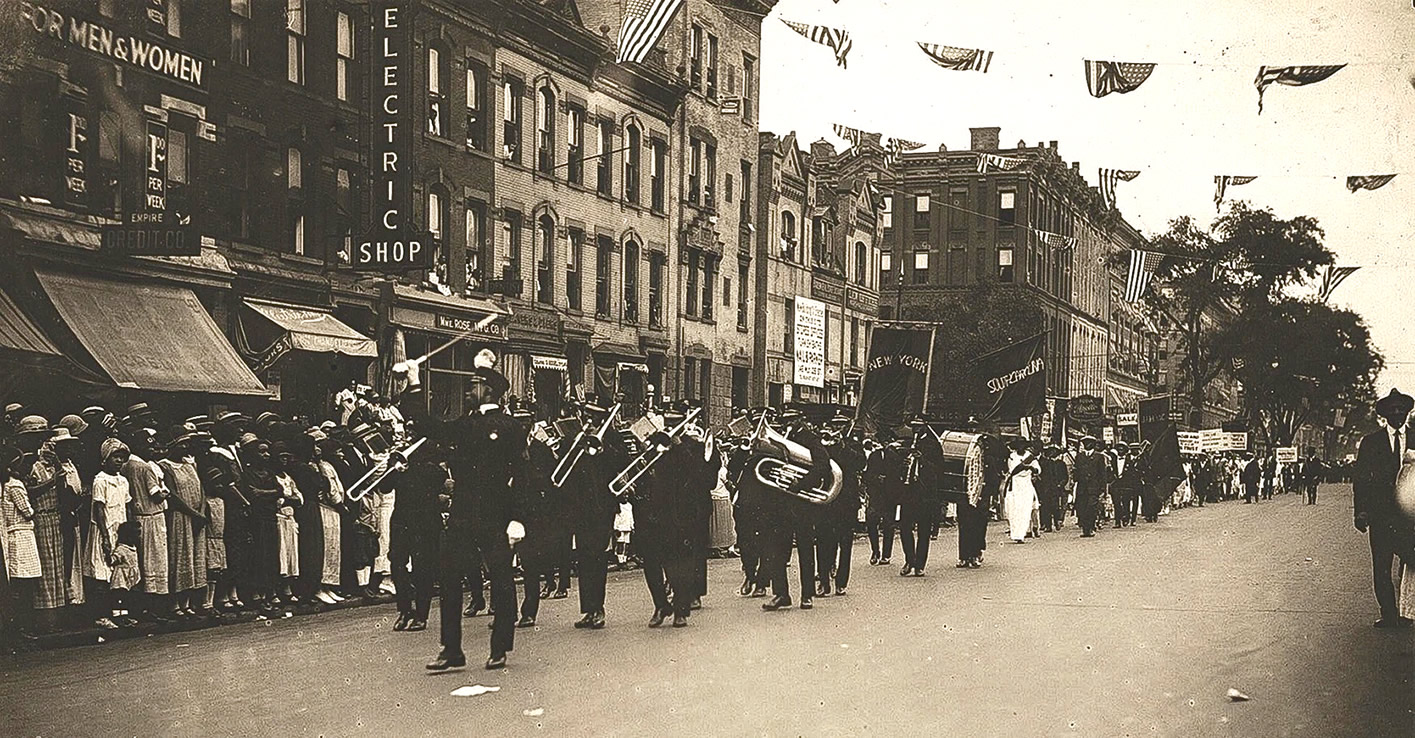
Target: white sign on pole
column 1235, row 441
column 1108, row 435
column 1127, row 419
column 1190, row 442
column 1287, row 454
column 1212, row 440
column 810, row 342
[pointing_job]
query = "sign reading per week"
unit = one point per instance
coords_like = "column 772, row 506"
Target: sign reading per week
column 392, row 243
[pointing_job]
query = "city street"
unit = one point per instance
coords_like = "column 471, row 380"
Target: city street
column 1137, row 632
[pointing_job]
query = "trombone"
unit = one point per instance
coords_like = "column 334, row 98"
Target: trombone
column 657, row 443
column 359, row 489
column 582, row 443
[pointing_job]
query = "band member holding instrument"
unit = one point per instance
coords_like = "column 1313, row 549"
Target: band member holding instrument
column 836, row 534
column 786, row 518
column 918, row 498
column 591, row 508
column 672, row 502
column 883, row 500
column 417, row 522
column 486, row 453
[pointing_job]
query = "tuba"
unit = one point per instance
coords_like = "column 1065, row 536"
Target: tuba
column 783, row 463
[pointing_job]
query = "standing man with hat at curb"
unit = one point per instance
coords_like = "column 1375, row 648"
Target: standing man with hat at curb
column 1091, row 472
column 486, row 453
column 1379, row 460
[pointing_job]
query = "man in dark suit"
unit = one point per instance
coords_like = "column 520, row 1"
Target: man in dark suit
column 1250, row 477
column 1126, row 487
column 1312, row 471
column 1091, row 473
column 918, row 496
column 486, row 454
column 1051, row 490
column 1378, row 462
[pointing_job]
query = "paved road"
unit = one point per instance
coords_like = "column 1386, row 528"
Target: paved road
column 1137, row 632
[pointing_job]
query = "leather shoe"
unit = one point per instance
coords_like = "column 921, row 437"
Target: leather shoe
column 497, row 661
column 526, row 621
column 746, row 588
column 402, row 623
column 839, row 591
column 906, row 570
column 597, row 620
column 918, row 572
column 884, row 561
column 759, row 591
column 822, row 590
column 585, row 621
column 444, row 662
column 417, row 624
column 697, row 604
column 474, row 608
column 560, row 594
column 1396, row 622
column 776, row 603
column 874, row 560
column 680, row 621
column 657, row 619
column 806, row 603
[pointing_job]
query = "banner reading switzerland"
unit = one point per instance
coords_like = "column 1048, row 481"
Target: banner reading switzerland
column 896, row 377
column 1015, row 379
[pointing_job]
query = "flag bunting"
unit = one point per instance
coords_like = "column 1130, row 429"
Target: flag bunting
column 893, row 147
column 853, row 135
column 1108, row 178
column 959, row 59
column 1056, row 240
column 836, row 39
column 1221, row 184
column 1368, row 181
column 1142, row 266
column 1001, row 163
column 1333, row 276
column 644, row 23
column 1105, row 77
column 1294, row 76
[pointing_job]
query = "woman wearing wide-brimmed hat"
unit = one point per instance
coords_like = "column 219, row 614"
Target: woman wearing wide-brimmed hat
column 22, row 566
column 41, row 477
column 186, row 523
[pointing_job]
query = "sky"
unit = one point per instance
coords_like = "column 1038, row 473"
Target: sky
column 1194, row 118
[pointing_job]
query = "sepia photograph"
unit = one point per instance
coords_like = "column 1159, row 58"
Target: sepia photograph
column 614, row 368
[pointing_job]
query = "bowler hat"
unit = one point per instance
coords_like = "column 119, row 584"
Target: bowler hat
column 73, row 424
column 1395, row 404
column 139, row 408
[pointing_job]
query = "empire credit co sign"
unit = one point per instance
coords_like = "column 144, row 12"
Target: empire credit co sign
column 392, row 243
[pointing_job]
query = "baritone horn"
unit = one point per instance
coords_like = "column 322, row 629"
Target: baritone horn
column 582, row 443
column 783, row 464
column 646, row 459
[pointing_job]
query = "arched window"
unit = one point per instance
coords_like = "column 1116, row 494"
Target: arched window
column 437, row 222
column 860, row 260
column 545, row 259
column 545, row 131
column 633, row 139
column 631, row 281
column 788, row 234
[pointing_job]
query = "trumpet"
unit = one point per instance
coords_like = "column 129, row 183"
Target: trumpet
column 583, row 442
column 620, row 485
column 369, row 482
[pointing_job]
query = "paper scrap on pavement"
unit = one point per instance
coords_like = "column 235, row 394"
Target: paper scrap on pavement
column 1237, row 696
column 474, row 690
column 534, row 712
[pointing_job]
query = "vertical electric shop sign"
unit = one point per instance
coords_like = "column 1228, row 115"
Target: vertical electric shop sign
column 392, row 243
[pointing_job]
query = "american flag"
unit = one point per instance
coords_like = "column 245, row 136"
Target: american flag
column 834, row 38
column 993, row 161
column 1221, row 184
column 893, row 147
column 1105, row 77
column 853, row 135
column 1294, row 76
column 953, row 57
column 1108, row 178
column 1142, row 266
column 1368, row 181
column 1331, row 278
column 1056, row 240
column 644, row 22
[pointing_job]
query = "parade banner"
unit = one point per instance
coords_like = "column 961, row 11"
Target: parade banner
column 1166, row 466
column 896, row 377
column 1015, row 379
column 1287, row 454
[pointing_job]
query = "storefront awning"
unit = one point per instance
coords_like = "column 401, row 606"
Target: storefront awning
column 19, row 334
column 149, row 336
column 315, row 331
column 606, row 349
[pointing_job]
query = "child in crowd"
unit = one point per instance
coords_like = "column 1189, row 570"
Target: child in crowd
column 215, row 547
column 20, row 547
column 623, row 530
column 110, row 510
column 124, row 572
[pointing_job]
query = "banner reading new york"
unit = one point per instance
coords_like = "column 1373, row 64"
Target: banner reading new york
column 896, row 377
column 1015, row 379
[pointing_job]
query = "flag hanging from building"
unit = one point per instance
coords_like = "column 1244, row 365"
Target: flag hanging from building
column 959, row 59
column 893, row 147
column 1056, row 240
column 876, row 196
column 1221, row 184
column 1001, row 163
column 896, row 377
column 644, row 22
column 853, row 135
column 1142, row 267
column 1294, row 76
column 1333, row 276
column 1015, row 378
column 836, row 39
column 1368, row 181
column 1108, row 178
column 1105, row 77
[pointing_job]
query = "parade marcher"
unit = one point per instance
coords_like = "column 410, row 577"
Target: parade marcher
column 917, row 478
column 1021, row 499
column 883, row 502
column 1250, row 477
column 1311, row 473
column 1125, row 488
column 672, row 502
column 1051, row 489
column 747, row 517
column 486, row 454
column 972, row 512
column 543, row 529
column 1379, row 460
column 836, row 538
column 592, row 507
column 786, row 518
column 1091, row 474
column 417, row 522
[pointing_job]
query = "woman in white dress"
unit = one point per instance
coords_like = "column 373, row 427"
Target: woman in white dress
column 1023, row 469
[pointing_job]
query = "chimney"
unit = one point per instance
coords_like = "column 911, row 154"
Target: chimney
column 1076, row 166
column 986, row 139
column 1051, row 145
column 942, row 148
column 822, row 151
